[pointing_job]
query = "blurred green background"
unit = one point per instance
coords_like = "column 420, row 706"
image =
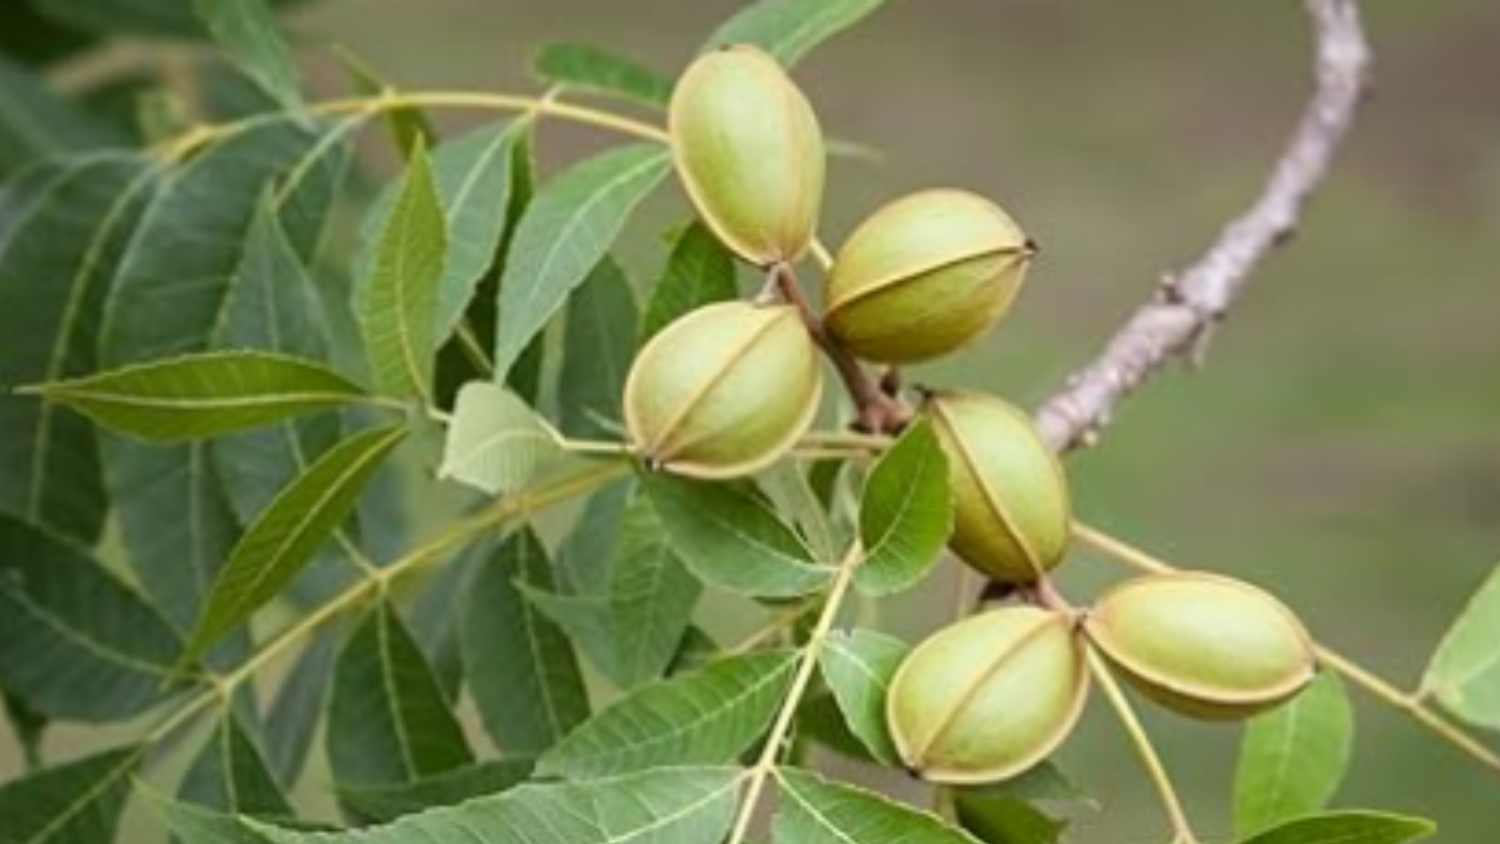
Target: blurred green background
column 1343, row 444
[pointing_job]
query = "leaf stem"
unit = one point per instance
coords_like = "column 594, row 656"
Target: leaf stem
column 1147, row 751
column 600, row 447
column 1387, row 692
column 198, row 136
column 878, row 412
column 765, row 766
column 376, row 582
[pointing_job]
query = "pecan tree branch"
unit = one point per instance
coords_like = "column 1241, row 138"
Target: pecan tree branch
column 1178, row 319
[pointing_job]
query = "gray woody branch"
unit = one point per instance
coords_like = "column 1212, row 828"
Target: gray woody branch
column 1180, row 317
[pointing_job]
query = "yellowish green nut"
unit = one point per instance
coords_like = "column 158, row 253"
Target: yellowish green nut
column 1012, row 515
column 723, row 391
column 749, row 152
column 989, row 697
column 1203, row 645
column 924, row 275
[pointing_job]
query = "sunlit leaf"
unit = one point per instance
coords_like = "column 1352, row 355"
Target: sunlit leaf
column 202, row 395
column 905, row 513
column 284, row 537
column 397, row 300
column 858, row 666
column 663, row 806
column 789, row 29
column 597, row 351
column 594, row 70
column 730, row 537
column 699, row 271
column 473, row 173
column 1293, row 758
column 388, row 720
column 76, row 803
column 707, row 716
column 1465, row 671
column 68, row 224
column 1346, row 828
column 75, row 643
column 386, row 803
column 521, row 669
column 495, row 442
column 247, row 32
column 815, row 811
column 567, row 228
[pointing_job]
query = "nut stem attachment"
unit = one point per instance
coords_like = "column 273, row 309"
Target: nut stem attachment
column 878, row 411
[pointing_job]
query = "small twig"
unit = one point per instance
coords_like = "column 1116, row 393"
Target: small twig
column 878, row 412
column 1177, row 321
column 1147, row 751
column 1119, row 551
column 807, row 664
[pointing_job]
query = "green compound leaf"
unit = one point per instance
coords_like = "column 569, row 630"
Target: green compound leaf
column 171, row 289
column 1464, row 674
column 905, row 514
column 274, row 306
column 388, row 719
column 203, row 395
column 731, row 538
column 706, row 716
column 699, row 271
column 386, row 803
column 663, row 806
column 193, row 824
column 597, row 349
column 496, row 443
column 1005, row 820
column 858, row 667
column 594, row 70
column 566, row 230
column 231, row 774
column 790, row 29
column 1347, row 828
column 396, row 303
column 247, row 31
column 1293, row 758
column 68, row 223
column 284, row 537
column 294, row 712
column 631, row 628
column 38, row 124
column 76, row 803
column 816, row 811
column 474, row 176
column 521, row 669
column 75, row 643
